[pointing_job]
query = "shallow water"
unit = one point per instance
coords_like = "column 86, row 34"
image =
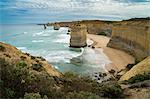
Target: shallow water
column 53, row 45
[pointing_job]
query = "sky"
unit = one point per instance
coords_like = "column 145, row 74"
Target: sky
column 43, row 11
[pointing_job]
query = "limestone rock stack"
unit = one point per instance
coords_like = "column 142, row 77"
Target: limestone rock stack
column 78, row 35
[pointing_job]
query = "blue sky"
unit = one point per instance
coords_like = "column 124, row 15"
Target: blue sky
column 43, row 11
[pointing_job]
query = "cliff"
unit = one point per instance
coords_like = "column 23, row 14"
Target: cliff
column 93, row 26
column 132, row 36
column 13, row 56
column 140, row 68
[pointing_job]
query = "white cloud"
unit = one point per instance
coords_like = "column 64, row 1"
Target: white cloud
column 90, row 8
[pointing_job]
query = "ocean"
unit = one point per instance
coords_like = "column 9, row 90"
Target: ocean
column 53, row 45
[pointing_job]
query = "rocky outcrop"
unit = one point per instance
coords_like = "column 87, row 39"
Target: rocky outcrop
column 78, row 36
column 13, row 56
column 132, row 36
column 140, row 68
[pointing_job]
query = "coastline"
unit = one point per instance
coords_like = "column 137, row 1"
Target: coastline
column 119, row 58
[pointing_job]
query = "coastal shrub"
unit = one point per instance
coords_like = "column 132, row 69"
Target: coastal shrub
column 34, row 96
column 102, row 33
column 108, row 89
column 33, row 57
column 82, row 95
column 139, row 78
column 37, row 67
column 111, row 90
column 18, row 82
column 2, row 48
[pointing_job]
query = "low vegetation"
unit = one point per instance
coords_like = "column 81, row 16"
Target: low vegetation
column 102, row 33
column 139, row 78
column 20, row 81
column 2, row 48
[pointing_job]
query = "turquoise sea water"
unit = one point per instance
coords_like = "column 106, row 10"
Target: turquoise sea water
column 54, row 46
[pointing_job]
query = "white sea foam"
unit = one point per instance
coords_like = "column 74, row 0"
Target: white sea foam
column 35, row 41
column 95, row 57
column 25, row 32
column 62, row 38
column 21, row 48
column 63, row 30
column 59, row 56
column 37, row 34
column 89, row 42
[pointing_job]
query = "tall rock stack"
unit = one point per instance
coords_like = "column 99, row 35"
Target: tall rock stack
column 78, row 35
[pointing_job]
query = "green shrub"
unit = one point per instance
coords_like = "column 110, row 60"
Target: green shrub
column 102, row 33
column 109, row 89
column 34, row 96
column 139, row 78
column 37, row 67
column 82, row 95
column 21, row 64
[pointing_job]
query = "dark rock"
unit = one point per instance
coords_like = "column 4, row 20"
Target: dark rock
column 7, row 55
column 93, row 47
column 27, row 54
column 42, row 59
column 129, row 66
column 98, row 78
column 118, row 77
column 104, row 74
column 89, row 45
column 37, row 61
column 112, row 71
column 32, row 57
column 100, row 75
column 23, row 57
column 69, row 30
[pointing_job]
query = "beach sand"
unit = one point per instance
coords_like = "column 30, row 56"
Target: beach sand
column 119, row 58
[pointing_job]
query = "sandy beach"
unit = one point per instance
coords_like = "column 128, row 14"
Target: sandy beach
column 118, row 58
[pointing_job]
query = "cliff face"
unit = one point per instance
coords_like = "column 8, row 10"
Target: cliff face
column 100, row 28
column 93, row 26
column 132, row 36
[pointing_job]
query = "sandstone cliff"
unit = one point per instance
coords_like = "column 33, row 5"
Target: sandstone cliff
column 132, row 36
column 140, row 68
column 13, row 56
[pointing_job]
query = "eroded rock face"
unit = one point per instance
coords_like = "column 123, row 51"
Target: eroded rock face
column 140, row 68
column 78, row 36
column 132, row 37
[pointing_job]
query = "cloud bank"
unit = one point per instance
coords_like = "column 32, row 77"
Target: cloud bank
column 39, row 11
